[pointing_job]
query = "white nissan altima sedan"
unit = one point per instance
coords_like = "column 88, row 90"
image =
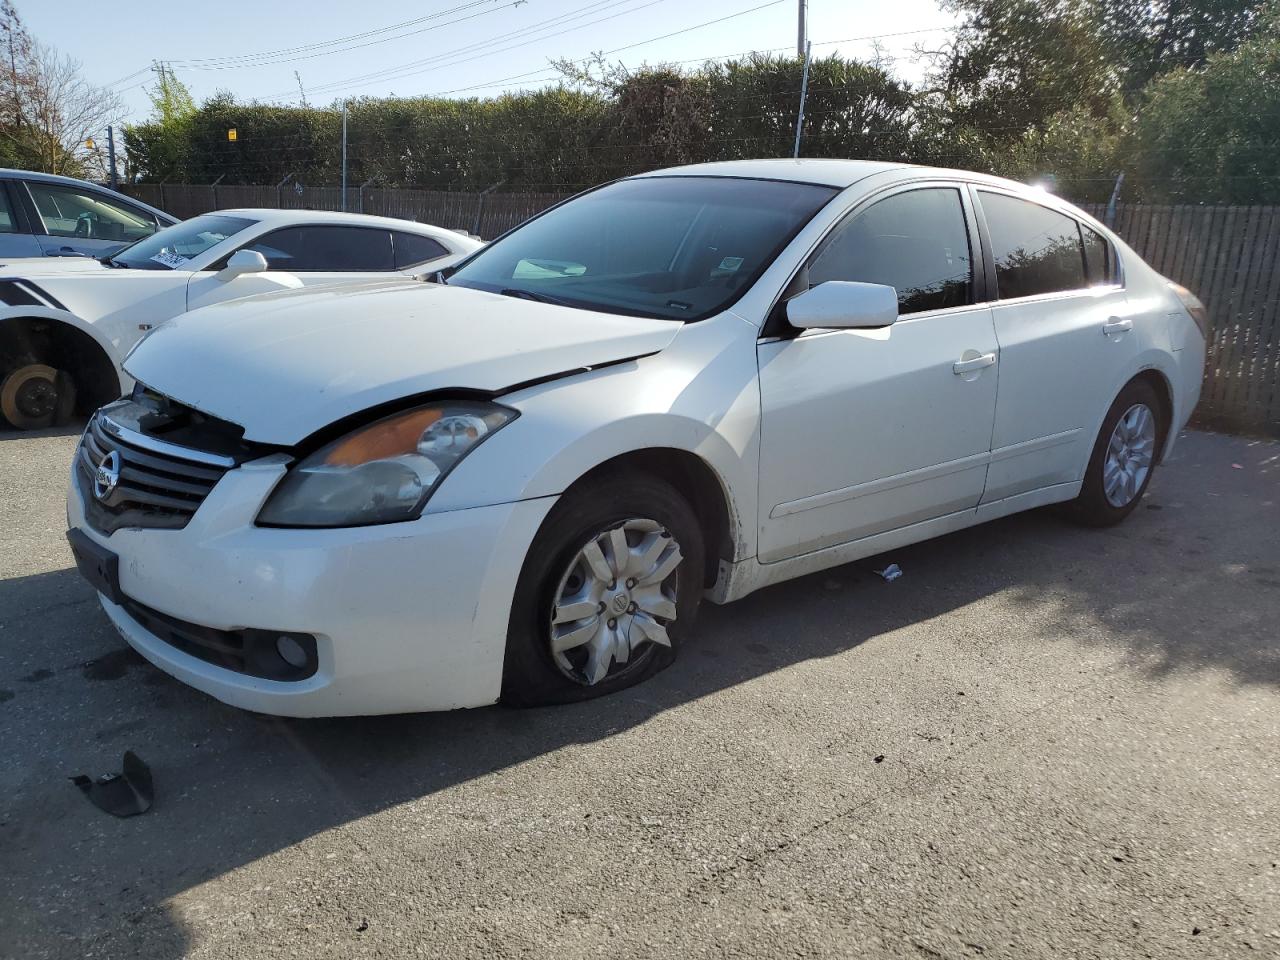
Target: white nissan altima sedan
column 519, row 482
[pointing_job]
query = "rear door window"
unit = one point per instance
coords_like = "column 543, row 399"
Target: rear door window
column 327, row 249
column 916, row 242
column 1036, row 250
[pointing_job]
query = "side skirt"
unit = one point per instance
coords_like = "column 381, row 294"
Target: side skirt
column 737, row 580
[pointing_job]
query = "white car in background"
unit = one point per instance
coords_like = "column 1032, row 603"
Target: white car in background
column 66, row 323
column 699, row 381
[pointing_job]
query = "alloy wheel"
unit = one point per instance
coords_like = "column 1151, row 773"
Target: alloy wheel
column 1130, row 453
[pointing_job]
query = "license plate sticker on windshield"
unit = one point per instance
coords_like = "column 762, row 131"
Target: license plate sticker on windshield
column 730, row 263
column 173, row 260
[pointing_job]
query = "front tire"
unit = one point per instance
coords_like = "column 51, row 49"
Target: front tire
column 1124, row 457
column 610, row 586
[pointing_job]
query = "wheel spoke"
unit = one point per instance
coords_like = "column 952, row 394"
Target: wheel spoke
column 655, row 603
column 574, row 610
column 621, row 551
column 599, row 658
column 575, row 637
column 664, row 568
column 596, row 561
column 651, row 629
column 646, row 555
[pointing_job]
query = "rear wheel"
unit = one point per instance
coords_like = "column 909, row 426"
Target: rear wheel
column 34, row 395
column 1124, row 457
column 610, row 585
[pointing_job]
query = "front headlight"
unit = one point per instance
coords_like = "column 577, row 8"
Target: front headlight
column 383, row 472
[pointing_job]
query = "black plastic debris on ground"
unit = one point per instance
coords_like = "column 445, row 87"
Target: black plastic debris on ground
column 124, row 794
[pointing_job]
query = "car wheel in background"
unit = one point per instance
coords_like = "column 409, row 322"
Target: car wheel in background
column 1124, row 457
column 610, row 585
column 34, row 395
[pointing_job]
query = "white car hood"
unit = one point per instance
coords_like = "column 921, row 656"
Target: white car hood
column 285, row 365
column 33, row 266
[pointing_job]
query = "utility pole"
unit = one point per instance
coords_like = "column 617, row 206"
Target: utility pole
column 802, row 37
column 1110, row 218
column 111, row 155
column 344, row 156
column 804, row 92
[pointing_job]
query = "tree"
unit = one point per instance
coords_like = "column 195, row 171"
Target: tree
column 1013, row 64
column 1213, row 133
column 1147, row 38
column 47, row 109
column 161, row 146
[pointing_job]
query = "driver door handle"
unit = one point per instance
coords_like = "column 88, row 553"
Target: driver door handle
column 961, row 367
column 1117, row 325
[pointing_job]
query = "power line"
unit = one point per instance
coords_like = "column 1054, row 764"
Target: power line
column 597, row 6
column 403, row 71
column 724, row 56
column 307, row 51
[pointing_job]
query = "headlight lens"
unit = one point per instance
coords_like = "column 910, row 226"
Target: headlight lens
column 384, row 472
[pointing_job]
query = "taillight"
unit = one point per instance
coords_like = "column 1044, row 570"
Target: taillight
column 1193, row 306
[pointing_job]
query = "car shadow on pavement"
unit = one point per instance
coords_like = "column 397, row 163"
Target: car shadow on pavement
column 72, row 429
column 1189, row 583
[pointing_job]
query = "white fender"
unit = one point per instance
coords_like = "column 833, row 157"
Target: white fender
column 31, row 311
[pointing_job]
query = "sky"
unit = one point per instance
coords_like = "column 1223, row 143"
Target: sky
column 448, row 47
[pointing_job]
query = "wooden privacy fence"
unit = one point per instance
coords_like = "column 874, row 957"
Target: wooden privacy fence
column 484, row 214
column 1229, row 256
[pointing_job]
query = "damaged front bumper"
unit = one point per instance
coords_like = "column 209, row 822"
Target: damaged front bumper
column 405, row 616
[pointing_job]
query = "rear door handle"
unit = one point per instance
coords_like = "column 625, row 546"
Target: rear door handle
column 1117, row 325
column 961, row 367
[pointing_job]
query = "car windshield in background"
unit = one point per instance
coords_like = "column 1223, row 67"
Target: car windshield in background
column 676, row 248
column 172, row 247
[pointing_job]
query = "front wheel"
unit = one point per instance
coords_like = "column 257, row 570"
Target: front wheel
column 610, row 585
column 1124, row 456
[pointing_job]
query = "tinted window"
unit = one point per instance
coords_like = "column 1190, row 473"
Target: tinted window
column 172, row 247
column 323, row 248
column 915, row 242
column 677, row 248
column 6, row 211
column 1036, row 250
column 413, row 249
column 68, row 212
column 1097, row 256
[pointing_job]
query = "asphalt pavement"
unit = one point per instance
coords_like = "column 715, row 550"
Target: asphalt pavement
column 1041, row 742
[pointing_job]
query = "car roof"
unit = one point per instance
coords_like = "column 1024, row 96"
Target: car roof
column 271, row 216
column 8, row 173
column 845, row 173
column 829, row 173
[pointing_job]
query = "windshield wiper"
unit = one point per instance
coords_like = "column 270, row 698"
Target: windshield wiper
column 110, row 261
column 532, row 295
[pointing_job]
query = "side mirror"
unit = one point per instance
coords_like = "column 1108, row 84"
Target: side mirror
column 842, row 304
column 243, row 261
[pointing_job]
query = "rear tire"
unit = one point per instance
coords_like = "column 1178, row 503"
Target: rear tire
column 590, row 620
column 1124, row 457
column 34, row 396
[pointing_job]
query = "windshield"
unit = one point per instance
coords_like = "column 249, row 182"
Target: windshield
column 676, row 248
column 172, row 247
